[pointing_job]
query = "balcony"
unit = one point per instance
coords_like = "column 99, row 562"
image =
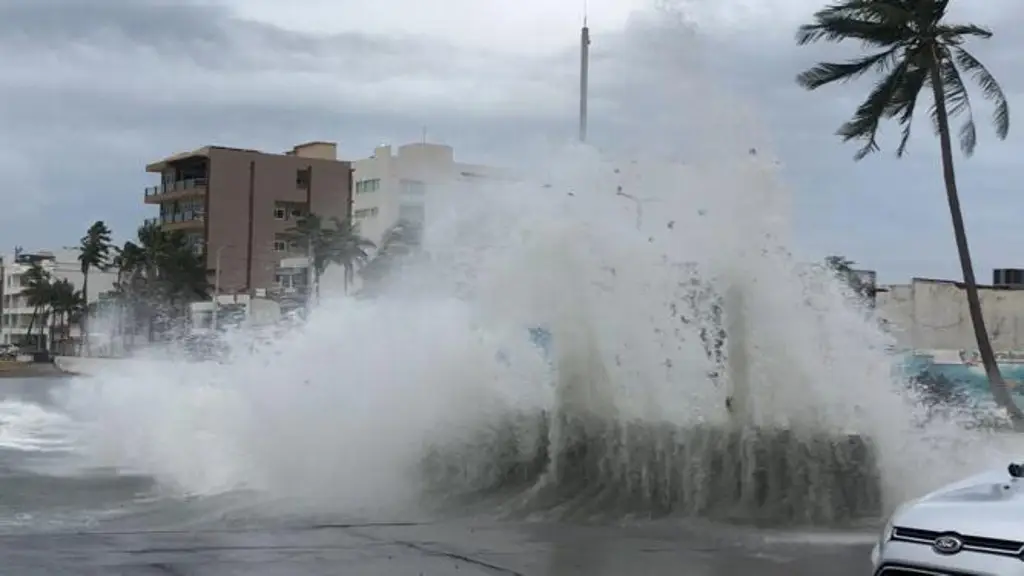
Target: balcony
column 187, row 188
column 186, row 220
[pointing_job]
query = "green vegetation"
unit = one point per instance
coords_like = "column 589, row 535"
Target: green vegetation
column 94, row 252
column 916, row 51
column 52, row 299
column 333, row 241
column 158, row 276
column 844, row 269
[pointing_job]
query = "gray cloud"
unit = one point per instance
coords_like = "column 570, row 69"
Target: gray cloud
column 94, row 90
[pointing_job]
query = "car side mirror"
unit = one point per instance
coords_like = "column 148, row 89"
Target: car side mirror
column 1016, row 470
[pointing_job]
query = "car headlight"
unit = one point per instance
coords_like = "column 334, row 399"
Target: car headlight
column 886, row 534
column 890, row 524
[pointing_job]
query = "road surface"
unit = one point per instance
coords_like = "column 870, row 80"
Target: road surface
column 463, row 548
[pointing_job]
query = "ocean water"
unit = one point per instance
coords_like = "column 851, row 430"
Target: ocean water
column 60, row 515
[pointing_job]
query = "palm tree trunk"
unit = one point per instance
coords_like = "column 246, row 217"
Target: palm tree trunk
column 83, row 324
column 31, row 324
column 1000, row 391
column 43, row 320
column 53, row 333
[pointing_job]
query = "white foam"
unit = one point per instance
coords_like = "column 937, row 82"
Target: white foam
column 31, row 428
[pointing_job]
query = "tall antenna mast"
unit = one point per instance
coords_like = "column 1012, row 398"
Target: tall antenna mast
column 584, row 73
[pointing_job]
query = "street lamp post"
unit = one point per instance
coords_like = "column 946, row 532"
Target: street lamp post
column 216, row 283
column 310, row 275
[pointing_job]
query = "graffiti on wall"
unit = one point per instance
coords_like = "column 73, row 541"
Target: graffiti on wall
column 962, row 370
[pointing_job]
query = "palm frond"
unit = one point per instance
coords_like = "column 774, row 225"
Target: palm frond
column 829, row 72
column 989, row 87
column 958, row 102
column 938, row 9
column 865, row 121
column 840, row 29
column 874, row 22
column 905, row 102
column 954, row 33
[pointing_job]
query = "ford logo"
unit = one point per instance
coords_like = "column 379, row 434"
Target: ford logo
column 948, row 544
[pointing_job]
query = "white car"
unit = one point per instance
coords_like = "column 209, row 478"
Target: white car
column 970, row 528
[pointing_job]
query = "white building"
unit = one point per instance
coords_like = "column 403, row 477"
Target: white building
column 929, row 314
column 15, row 311
column 394, row 186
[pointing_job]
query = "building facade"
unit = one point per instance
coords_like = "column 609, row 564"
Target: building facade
column 392, row 191
column 929, row 314
column 392, row 185
column 16, row 314
column 238, row 207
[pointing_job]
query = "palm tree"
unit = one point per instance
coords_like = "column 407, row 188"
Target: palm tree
column 128, row 261
column 310, row 231
column 158, row 276
column 94, row 252
column 399, row 241
column 842, row 267
column 66, row 305
column 168, row 274
column 916, row 49
column 38, row 290
column 347, row 248
column 335, row 241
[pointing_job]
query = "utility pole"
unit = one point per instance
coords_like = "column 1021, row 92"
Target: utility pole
column 584, row 76
column 310, row 275
column 216, row 284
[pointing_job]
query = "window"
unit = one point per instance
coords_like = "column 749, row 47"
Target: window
column 302, row 178
column 296, row 213
column 411, row 213
column 293, row 245
column 364, row 186
column 413, row 188
column 280, row 213
column 280, row 245
column 366, row 212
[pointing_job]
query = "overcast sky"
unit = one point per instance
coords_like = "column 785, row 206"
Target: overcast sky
column 92, row 90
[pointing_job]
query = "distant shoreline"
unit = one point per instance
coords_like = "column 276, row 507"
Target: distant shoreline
column 14, row 369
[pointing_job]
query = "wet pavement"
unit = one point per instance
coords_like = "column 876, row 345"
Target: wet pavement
column 464, row 548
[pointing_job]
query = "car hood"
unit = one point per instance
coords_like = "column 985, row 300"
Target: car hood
column 990, row 505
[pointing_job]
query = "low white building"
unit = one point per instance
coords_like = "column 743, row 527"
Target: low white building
column 929, row 314
column 15, row 312
column 232, row 310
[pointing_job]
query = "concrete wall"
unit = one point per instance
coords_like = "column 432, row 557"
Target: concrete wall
column 933, row 314
column 895, row 308
column 81, row 366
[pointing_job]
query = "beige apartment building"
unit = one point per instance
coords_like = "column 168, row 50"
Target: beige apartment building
column 237, row 207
